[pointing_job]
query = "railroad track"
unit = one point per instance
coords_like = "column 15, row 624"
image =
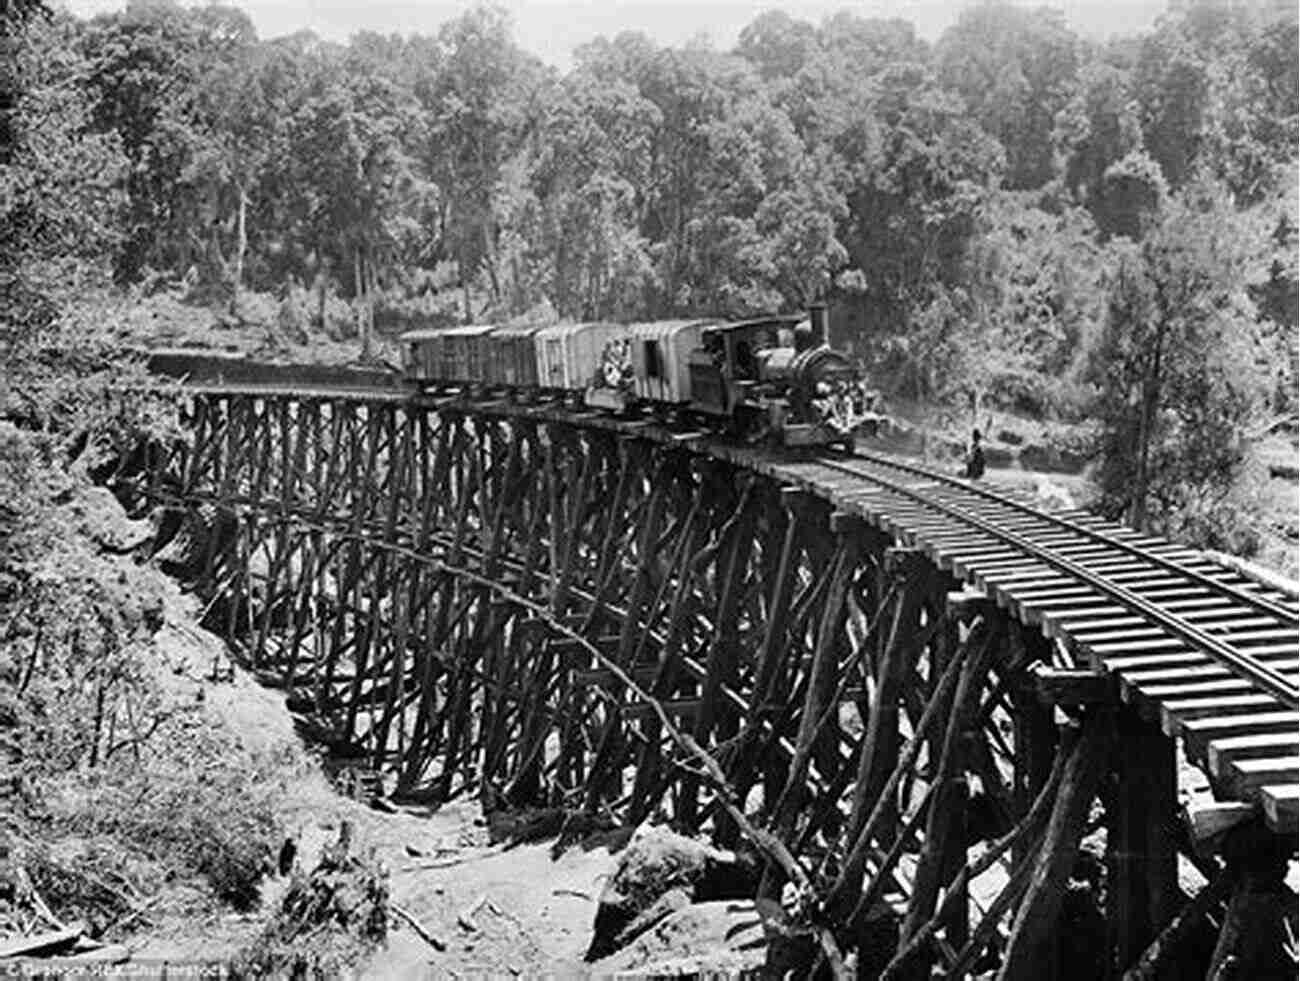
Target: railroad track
column 1209, row 654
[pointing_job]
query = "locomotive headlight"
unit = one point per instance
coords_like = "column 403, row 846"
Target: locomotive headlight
column 823, row 389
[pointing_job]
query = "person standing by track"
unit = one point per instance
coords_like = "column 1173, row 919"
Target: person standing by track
column 974, row 457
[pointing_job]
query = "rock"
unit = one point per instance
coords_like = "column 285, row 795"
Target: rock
column 656, row 861
column 665, row 906
column 1052, row 496
column 715, row 938
column 1284, row 471
column 997, row 455
column 104, row 520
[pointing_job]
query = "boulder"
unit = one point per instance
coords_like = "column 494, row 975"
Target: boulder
column 104, row 520
column 656, row 862
column 673, row 901
column 723, row 937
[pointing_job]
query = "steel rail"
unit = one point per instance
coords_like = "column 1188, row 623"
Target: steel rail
column 1261, row 675
column 1265, row 603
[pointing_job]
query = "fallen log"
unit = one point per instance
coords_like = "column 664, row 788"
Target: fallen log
column 41, row 943
column 434, row 941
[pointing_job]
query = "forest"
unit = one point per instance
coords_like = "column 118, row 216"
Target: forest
column 1011, row 216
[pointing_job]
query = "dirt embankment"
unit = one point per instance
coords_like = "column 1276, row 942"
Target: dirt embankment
column 216, row 837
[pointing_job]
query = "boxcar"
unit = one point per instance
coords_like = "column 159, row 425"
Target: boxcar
column 422, row 354
column 661, row 355
column 512, row 357
column 568, row 355
column 463, row 355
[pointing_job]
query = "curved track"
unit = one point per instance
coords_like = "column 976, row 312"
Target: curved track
column 1006, row 521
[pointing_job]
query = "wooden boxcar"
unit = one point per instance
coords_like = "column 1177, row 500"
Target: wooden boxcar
column 512, row 357
column 661, row 354
column 422, row 354
column 568, row 355
column 463, row 354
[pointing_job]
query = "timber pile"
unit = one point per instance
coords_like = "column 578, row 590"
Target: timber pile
column 67, row 947
column 29, row 931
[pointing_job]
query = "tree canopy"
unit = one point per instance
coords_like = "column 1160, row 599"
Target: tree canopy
column 990, row 214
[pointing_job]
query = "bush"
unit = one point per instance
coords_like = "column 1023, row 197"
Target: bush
column 341, row 905
column 113, row 779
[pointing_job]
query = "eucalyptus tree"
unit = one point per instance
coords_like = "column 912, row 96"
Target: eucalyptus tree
column 60, row 198
column 1014, row 68
column 1183, row 368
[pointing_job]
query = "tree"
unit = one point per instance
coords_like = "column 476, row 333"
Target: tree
column 60, row 205
column 1021, row 322
column 148, row 64
column 587, row 181
column 1178, row 367
column 912, row 208
column 777, row 45
column 1099, row 126
column 238, row 126
column 351, row 135
column 1014, row 67
column 485, row 100
column 1217, row 89
column 799, row 225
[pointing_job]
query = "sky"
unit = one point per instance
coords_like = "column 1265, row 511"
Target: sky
column 551, row 29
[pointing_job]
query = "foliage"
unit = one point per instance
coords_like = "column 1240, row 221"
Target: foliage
column 975, row 209
column 1016, row 330
column 1181, row 367
column 59, row 194
column 341, row 906
column 115, row 783
column 1014, row 68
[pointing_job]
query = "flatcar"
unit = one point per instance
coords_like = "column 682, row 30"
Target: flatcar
column 769, row 379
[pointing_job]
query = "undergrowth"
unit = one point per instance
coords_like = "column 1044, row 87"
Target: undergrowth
column 115, row 783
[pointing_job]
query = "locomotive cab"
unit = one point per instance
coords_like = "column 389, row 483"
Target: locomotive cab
column 726, row 369
column 776, row 378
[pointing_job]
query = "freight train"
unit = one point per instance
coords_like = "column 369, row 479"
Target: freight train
column 770, row 379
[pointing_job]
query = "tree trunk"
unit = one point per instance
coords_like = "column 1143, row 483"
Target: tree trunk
column 1150, row 405
column 322, row 287
column 464, row 286
column 358, row 291
column 368, row 335
column 241, row 247
column 490, row 257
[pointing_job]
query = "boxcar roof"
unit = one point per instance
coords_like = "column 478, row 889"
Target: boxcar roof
column 569, row 330
column 422, row 333
column 469, row 330
column 789, row 319
column 664, row 328
column 520, row 330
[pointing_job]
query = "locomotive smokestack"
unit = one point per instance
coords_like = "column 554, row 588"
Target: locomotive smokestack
column 817, row 316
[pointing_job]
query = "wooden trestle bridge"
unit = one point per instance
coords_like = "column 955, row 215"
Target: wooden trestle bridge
column 956, row 722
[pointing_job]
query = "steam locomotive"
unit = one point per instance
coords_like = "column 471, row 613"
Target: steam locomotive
column 770, row 379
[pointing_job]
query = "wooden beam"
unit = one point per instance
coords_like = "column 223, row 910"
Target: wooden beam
column 1072, row 688
column 1142, row 887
